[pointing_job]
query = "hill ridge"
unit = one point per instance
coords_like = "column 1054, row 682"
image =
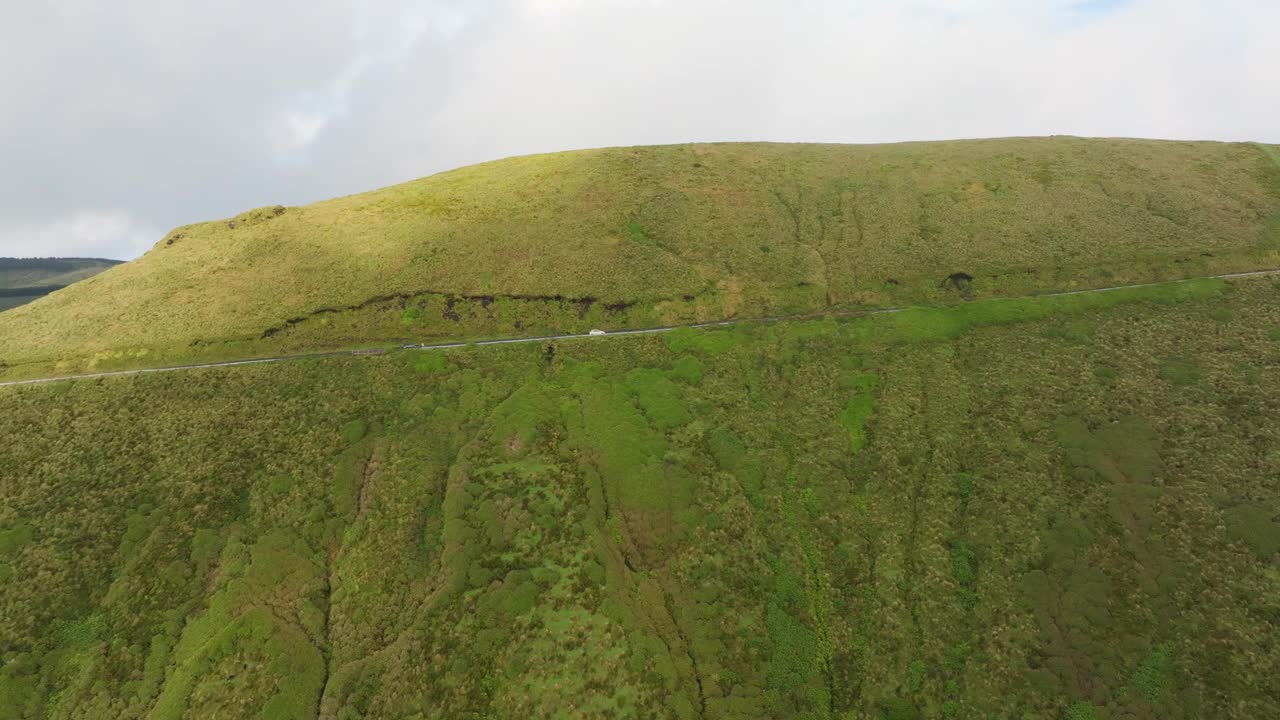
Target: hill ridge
column 668, row 234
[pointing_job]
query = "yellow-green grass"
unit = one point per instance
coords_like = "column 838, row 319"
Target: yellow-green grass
column 1057, row 507
column 667, row 234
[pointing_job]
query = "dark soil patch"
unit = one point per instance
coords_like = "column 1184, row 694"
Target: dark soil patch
column 960, row 281
column 450, row 313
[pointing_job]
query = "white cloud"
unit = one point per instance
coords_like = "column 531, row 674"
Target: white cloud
column 383, row 40
column 304, row 127
column 626, row 71
column 549, row 8
column 180, row 112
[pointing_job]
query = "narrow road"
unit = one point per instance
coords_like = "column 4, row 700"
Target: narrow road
column 611, row 333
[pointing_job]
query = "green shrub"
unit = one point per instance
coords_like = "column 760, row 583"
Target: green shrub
column 410, row 315
column 1257, row 526
column 81, row 634
column 12, row 539
column 1073, row 332
column 660, row 398
column 933, row 324
column 1105, row 373
column 18, row 696
column 1180, row 372
column 344, row 483
column 916, row 672
column 1271, row 231
column 1152, row 678
column 687, row 369
column 635, row 232
column 896, row 708
column 1082, row 711
column 707, row 342
column 964, row 563
column 731, row 454
column 793, row 649
column 1127, row 450
column 858, row 410
column 280, row 484
column 430, row 361
column 354, row 431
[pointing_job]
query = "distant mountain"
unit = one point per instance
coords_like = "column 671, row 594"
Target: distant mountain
column 25, row 279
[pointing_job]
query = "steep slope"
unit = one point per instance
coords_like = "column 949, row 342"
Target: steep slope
column 1040, row 507
column 1044, row 508
column 630, row 236
column 25, row 279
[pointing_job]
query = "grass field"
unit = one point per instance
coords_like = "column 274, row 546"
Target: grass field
column 1037, row 508
column 648, row 235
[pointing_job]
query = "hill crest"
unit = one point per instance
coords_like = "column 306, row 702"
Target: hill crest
column 650, row 235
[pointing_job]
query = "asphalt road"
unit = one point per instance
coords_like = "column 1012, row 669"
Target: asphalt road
column 544, row 338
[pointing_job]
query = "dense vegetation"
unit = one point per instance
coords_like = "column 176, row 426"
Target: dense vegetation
column 653, row 235
column 1038, row 508
column 25, row 279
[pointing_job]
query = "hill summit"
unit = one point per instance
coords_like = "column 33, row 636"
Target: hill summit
column 625, row 237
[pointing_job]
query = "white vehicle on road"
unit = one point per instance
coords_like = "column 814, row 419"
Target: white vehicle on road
column 597, row 332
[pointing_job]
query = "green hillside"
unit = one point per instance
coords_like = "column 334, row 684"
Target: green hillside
column 25, row 279
column 994, row 503
column 1053, row 508
column 650, row 235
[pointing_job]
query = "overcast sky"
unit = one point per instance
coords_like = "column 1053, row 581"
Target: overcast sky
column 122, row 119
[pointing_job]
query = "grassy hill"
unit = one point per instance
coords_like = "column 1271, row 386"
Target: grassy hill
column 25, row 279
column 648, row 235
column 1047, row 507
column 1053, row 508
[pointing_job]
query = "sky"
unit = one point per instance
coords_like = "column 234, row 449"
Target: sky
column 120, row 120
